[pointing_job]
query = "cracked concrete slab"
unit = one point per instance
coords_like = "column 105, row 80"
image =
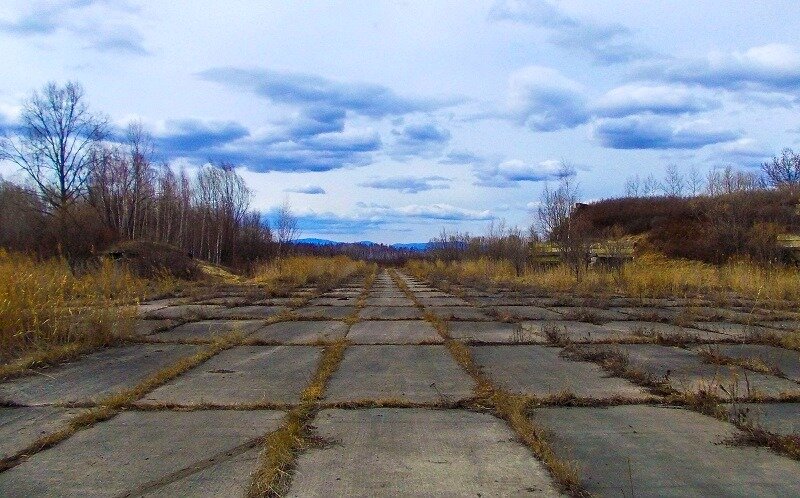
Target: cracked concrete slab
column 390, row 313
column 95, row 375
column 649, row 313
column 632, row 328
column 301, row 332
column 734, row 330
column 393, row 332
column 416, row 452
column 440, row 301
column 147, row 327
column 21, row 427
column 659, row 451
column 588, row 314
column 570, row 330
column 424, row 374
column 778, row 418
column 685, row 371
column 243, row 375
column 466, row 313
column 325, row 312
column 208, row 329
column 185, row 311
column 333, row 301
column 493, row 332
column 248, row 312
column 540, row 371
column 524, row 312
column 137, row 452
column 388, row 301
column 786, row 361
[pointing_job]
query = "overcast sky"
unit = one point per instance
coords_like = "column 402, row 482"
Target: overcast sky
column 388, row 121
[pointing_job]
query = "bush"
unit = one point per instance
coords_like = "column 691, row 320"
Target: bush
column 152, row 259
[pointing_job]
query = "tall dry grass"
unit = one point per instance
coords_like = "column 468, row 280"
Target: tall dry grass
column 281, row 276
column 647, row 276
column 43, row 304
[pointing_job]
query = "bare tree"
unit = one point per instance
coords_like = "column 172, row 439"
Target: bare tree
column 694, row 182
column 557, row 218
column 286, row 228
column 729, row 180
column 633, row 186
column 650, row 185
column 673, row 185
column 56, row 144
column 783, row 170
column 556, row 206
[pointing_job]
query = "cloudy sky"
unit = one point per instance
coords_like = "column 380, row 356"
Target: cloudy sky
column 391, row 120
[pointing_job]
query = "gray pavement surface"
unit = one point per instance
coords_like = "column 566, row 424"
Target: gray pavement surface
column 655, row 451
column 391, row 452
column 177, row 440
column 424, row 374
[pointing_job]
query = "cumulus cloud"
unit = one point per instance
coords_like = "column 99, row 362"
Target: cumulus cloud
column 606, row 43
column 285, row 149
column 409, row 184
column 306, row 189
column 772, row 67
column 303, row 89
column 745, row 152
column 543, row 99
column 656, row 99
column 647, row 132
column 190, row 136
column 419, row 140
column 107, row 25
column 509, row 174
column 461, row 157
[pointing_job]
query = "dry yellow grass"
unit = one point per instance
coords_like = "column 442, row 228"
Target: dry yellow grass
column 285, row 274
column 44, row 305
column 647, row 276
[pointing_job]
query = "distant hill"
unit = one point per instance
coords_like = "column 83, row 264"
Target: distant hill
column 413, row 246
column 410, row 246
column 317, row 242
column 706, row 228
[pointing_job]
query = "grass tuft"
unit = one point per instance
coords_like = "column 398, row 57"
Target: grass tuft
column 277, row 460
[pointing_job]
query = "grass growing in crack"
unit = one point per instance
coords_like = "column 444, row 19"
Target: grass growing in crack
column 509, row 407
column 556, row 334
column 369, row 280
column 111, row 405
column 277, row 460
column 703, row 400
column 514, row 410
column 714, row 356
column 752, row 435
column 787, row 445
column 787, row 340
column 618, row 364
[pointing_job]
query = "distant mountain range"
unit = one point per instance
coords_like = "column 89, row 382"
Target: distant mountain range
column 410, row 246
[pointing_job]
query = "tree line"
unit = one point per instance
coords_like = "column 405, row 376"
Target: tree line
column 726, row 213
column 88, row 186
